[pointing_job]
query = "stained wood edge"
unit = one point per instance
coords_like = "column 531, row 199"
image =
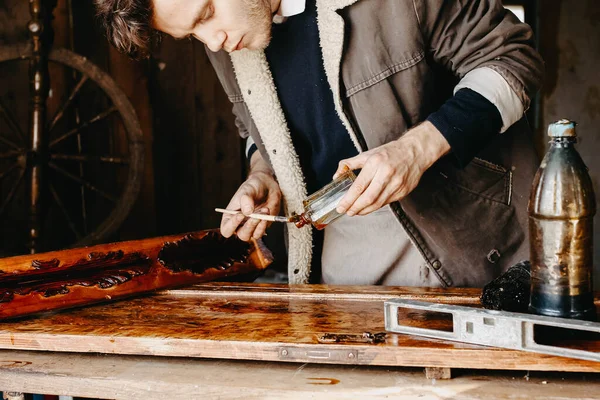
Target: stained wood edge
column 198, row 293
column 156, row 275
column 471, row 357
column 337, row 292
column 262, row 257
column 458, row 296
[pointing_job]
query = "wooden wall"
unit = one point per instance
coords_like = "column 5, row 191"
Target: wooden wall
column 570, row 45
column 132, row 77
column 194, row 158
column 198, row 155
column 195, row 152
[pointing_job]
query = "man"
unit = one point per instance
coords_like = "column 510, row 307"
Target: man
column 426, row 97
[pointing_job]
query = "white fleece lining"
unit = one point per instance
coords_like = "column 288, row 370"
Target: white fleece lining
column 257, row 86
column 491, row 85
column 259, row 92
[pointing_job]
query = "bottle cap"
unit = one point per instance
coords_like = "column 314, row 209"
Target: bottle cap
column 562, row 128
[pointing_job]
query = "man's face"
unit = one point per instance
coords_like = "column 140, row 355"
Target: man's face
column 220, row 24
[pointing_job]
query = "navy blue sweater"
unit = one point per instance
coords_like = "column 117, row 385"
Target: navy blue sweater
column 296, row 62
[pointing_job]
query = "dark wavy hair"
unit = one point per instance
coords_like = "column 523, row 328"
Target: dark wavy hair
column 128, row 25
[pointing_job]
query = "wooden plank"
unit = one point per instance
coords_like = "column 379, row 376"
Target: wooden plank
column 126, row 377
column 438, row 373
column 275, row 324
column 77, row 277
column 461, row 296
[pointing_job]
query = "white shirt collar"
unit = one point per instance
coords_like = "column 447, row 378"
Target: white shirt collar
column 287, row 8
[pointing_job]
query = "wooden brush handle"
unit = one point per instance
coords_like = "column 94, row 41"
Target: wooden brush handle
column 264, row 217
column 76, row 277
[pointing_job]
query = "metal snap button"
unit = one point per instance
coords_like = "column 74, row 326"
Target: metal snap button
column 493, row 256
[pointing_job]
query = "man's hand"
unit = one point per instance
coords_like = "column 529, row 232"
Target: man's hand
column 392, row 171
column 259, row 193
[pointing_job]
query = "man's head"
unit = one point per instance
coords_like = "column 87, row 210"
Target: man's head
column 132, row 25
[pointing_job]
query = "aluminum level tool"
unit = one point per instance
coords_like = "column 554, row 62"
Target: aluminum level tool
column 503, row 329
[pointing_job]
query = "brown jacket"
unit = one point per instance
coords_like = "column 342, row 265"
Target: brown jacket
column 390, row 63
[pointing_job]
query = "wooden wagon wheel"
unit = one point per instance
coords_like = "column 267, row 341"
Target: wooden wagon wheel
column 94, row 160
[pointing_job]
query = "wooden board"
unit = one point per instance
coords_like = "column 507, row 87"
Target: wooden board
column 136, row 377
column 269, row 323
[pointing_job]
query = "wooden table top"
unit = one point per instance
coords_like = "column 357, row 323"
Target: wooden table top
column 267, row 323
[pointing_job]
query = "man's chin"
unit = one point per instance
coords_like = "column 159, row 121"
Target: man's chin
column 263, row 42
column 258, row 44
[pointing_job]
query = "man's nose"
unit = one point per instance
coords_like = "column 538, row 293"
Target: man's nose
column 215, row 42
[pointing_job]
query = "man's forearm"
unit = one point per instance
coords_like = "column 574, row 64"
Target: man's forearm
column 428, row 143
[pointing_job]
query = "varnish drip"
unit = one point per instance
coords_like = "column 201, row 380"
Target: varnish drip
column 104, row 270
column 198, row 254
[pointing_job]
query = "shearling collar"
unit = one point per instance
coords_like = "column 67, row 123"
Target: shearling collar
column 260, row 95
column 336, row 4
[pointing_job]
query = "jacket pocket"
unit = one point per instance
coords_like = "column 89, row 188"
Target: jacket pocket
column 483, row 179
column 466, row 221
column 385, row 71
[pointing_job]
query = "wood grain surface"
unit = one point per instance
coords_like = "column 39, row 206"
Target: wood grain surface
column 269, row 323
column 76, row 277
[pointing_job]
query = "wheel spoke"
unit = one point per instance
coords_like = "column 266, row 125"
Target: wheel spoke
column 62, row 207
column 82, row 182
column 12, row 192
column 13, row 166
column 90, row 158
column 12, row 122
column 10, row 154
column 84, row 125
column 82, row 189
column 59, row 114
column 9, row 143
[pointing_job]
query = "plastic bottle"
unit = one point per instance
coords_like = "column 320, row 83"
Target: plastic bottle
column 562, row 206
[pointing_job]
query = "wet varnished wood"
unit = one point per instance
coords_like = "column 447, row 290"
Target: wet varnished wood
column 83, row 276
column 266, row 322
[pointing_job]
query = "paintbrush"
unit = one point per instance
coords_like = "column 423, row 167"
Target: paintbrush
column 264, row 217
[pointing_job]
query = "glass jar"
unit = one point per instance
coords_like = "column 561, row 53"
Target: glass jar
column 320, row 207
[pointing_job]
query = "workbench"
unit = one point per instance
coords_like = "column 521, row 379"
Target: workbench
column 231, row 340
column 136, row 377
